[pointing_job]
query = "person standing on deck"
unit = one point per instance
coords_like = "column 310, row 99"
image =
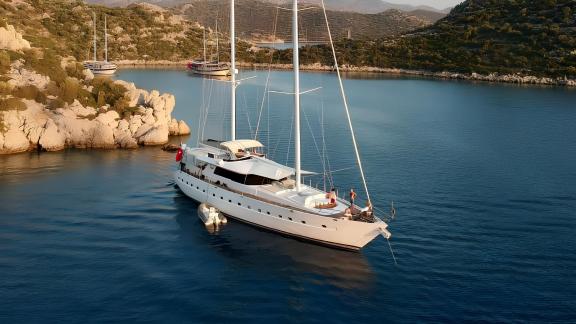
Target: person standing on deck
column 352, row 198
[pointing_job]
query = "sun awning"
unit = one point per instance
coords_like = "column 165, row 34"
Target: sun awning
column 236, row 146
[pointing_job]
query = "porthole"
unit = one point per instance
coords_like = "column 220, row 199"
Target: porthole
column 290, row 218
column 280, row 216
column 229, row 200
column 239, row 204
column 213, row 195
column 324, row 226
column 303, row 222
column 268, row 212
column 222, row 198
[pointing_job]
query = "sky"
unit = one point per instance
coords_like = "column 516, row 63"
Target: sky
column 440, row 4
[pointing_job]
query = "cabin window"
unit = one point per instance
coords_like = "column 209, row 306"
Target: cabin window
column 239, row 204
column 324, row 226
column 247, row 179
column 229, row 200
column 222, row 198
column 268, row 212
column 303, row 222
column 290, row 218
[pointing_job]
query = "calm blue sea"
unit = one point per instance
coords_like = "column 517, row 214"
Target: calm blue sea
column 483, row 177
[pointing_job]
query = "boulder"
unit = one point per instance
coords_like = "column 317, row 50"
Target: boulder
column 80, row 110
column 12, row 40
column 183, row 128
column 15, row 141
column 170, row 103
column 152, row 96
column 135, row 123
column 103, row 137
column 136, row 97
column 157, row 135
column 123, row 125
column 124, row 139
column 88, row 75
column 22, row 77
column 173, row 127
column 52, row 139
column 109, row 118
column 32, row 120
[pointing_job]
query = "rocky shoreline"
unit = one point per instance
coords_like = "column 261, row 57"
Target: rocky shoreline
column 493, row 77
column 36, row 126
column 75, row 126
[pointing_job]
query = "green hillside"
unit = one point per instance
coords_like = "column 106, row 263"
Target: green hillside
column 135, row 32
column 536, row 37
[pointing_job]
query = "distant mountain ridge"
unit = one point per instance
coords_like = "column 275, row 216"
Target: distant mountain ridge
column 371, row 6
column 255, row 20
column 360, row 6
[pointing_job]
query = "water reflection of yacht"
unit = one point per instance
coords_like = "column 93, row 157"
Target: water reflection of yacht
column 239, row 180
column 257, row 248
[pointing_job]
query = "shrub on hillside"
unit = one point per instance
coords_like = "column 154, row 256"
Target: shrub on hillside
column 5, row 88
column 12, row 104
column 47, row 64
column 108, row 92
column 30, row 92
column 69, row 90
column 4, row 62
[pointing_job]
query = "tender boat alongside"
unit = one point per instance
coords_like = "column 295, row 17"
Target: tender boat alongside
column 211, row 216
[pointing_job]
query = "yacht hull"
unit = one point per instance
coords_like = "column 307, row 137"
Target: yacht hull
column 211, row 73
column 104, row 72
column 335, row 232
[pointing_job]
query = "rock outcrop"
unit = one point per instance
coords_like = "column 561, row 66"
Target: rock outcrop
column 38, row 127
column 12, row 40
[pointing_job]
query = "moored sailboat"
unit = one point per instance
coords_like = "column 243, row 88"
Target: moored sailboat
column 206, row 67
column 240, row 181
column 101, row 67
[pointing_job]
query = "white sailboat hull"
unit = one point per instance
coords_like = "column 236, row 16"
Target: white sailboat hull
column 336, row 232
column 103, row 72
column 212, row 73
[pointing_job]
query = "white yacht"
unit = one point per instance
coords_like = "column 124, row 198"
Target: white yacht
column 236, row 178
column 101, row 67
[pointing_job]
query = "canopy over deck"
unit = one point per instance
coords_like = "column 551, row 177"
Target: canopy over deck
column 238, row 145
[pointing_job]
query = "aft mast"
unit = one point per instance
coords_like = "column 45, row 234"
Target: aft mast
column 296, row 63
column 232, row 72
